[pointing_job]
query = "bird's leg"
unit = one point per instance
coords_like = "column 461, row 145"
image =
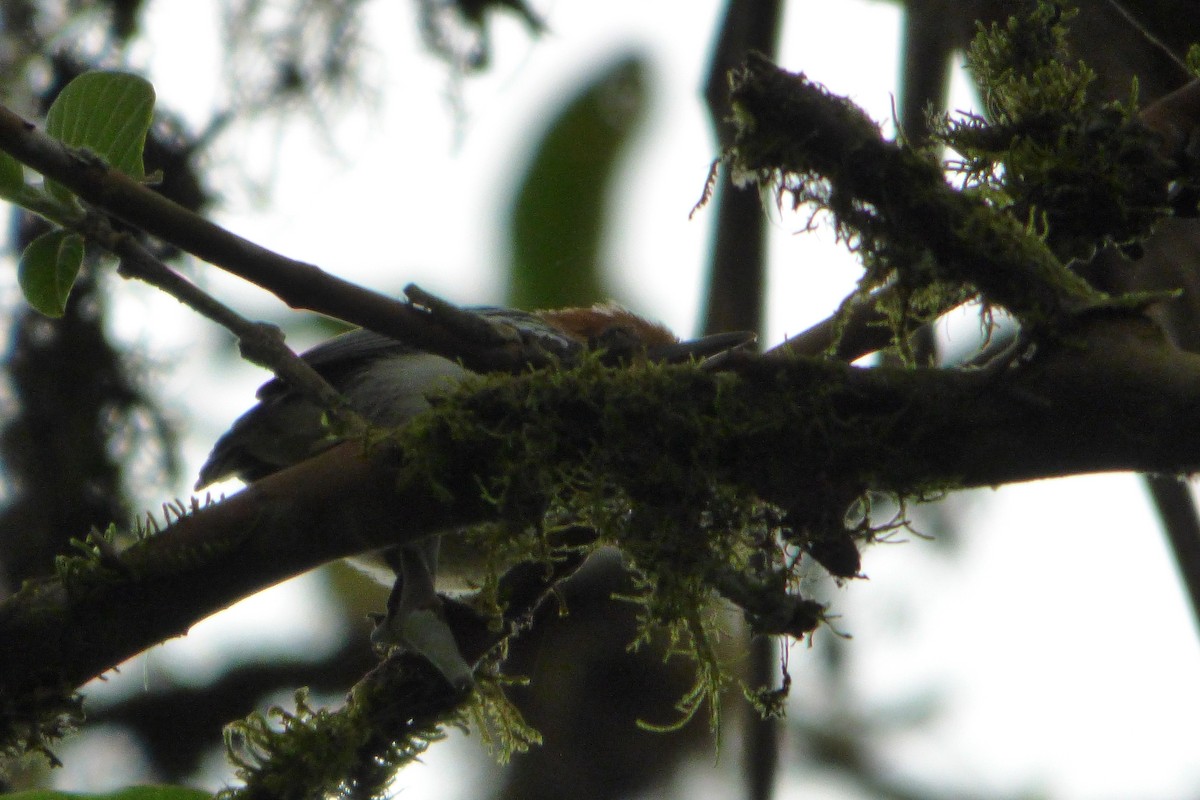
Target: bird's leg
column 415, row 619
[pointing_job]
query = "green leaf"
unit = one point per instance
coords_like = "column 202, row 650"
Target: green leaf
column 561, row 209
column 1193, row 60
column 132, row 793
column 48, row 270
column 12, row 175
column 108, row 113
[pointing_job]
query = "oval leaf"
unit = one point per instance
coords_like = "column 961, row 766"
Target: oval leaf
column 48, row 270
column 561, row 208
column 108, row 113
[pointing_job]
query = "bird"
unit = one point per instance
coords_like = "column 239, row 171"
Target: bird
column 389, row 382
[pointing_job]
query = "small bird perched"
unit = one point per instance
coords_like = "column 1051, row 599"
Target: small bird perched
column 389, row 382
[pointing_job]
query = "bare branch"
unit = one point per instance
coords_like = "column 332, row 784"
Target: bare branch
column 737, row 277
column 300, row 285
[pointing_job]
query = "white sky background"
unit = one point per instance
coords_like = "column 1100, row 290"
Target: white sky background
column 1058, row 639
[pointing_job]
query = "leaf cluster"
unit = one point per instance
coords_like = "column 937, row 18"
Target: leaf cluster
column 106, row 115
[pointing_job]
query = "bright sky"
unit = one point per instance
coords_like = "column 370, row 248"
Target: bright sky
column 1056, row 641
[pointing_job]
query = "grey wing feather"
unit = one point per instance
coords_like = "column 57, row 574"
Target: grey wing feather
column 348, row 351
column 342, row 354
column 387, row 381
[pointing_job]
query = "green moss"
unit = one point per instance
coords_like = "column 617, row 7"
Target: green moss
column 314, row 752
column 658, row 460
column 1023, row 69
column 1087, row 171
column 501, row 727
column 1048, row 178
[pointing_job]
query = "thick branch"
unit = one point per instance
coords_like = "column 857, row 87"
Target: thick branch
column 335, row 505
column 1113, row 396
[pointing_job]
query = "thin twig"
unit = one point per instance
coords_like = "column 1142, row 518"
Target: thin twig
column 300, row 285
column 259, row 342
column 1150, row 38
column 1177, row 511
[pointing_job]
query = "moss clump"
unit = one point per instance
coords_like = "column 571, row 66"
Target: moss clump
column 667, row 464
column 1085, row 173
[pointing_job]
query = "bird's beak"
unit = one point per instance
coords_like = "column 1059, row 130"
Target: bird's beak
column 701, row 348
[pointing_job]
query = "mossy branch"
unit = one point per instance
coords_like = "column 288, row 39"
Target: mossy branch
column 892, row 202
column 797, row 433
